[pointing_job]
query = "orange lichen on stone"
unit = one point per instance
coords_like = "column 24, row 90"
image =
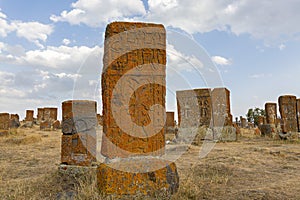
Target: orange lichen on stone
column 75, row 149
column 133, row 96
column 79, row 133
column 288, row 112
column 122, row 182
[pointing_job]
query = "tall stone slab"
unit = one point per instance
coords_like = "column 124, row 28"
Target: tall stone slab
column 29, row 115
column 271, row 113
column 40, row 114
column 133, row 96
column 221, row 107
column 14, row 121
column 170, row 120
column 298, row 114
column 4, row 121
column 79, row 123
column 194, row 107
column 288, row 112
column 50, row 114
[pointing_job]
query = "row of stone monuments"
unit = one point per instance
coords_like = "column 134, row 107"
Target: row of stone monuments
column 134, row 124
column 288, row 124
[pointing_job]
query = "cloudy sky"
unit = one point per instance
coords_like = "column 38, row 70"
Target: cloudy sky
column 51, row 51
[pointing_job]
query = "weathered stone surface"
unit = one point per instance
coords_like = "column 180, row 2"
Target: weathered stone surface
column 79, row 132
column 122, row 182
column 194, row 108
column 226, row 133
column 268, row 130
column 50, row 114
column 135, row 56
column 170, row 121
column 243, row 122
column 40, row 114
column 133, row 96
column 4, row 121
column 78, row 116
column 29, row 115
column 56, row 125
column 14, row 121
column 287, row 109
column 298, row 114
column 221, row 107
column 78, row 149
column 45, row 125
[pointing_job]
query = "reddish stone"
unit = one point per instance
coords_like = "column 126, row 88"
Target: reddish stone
column 271, row 113
column 77, row 149
column 4, row 121
column 298, row 114
column 45, row 125
column 288, row 112
column 14, row 121
column 221, row 107
column 40, row 114
column 29, row 115
column 170, row 122
column 56, row 125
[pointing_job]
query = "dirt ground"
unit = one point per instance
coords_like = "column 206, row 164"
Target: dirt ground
column 254, row 167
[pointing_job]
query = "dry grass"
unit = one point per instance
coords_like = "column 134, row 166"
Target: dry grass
column 251, row 168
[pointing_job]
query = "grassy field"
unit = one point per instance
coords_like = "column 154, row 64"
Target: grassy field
column 251, row 168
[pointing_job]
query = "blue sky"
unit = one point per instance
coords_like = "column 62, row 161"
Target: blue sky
column 51, row 51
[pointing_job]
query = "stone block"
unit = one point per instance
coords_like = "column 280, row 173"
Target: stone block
column 134, row 180
column 271, row 113
column 288, row 112
column 78, row 149
column 4, row 121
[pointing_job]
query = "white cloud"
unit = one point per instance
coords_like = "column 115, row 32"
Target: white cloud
column 261, row 75
column 97, row 13
column 5, row 27
column 32, row 31
column 62, row 57
column 66, row 41
column 6, row 78
column 260, row 18
column 282, row 47
column 221, row 60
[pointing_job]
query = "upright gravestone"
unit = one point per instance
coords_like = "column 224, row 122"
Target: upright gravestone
column 78, row 146
column 271, row 113
column 133, row 96
column 298, row 114
column 4, row 123
column 221, row 107
column 14, row 121
column 170, row 121
column 194, row 108
column 287, row 109
column 40, row 114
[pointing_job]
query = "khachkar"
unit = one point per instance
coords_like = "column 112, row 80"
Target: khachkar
column 271, row 113
column 79, row 121
column 133, row 96
column 47, row 117
column 205, row 107
column 4, row 123
column 29, row 118
column 298, row 114
column 287, row 109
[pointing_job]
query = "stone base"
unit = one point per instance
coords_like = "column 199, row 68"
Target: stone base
column 138, row 177
column 226, row 133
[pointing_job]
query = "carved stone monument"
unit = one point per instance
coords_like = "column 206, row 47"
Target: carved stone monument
column 4, row 123
column 194, row 108
column 287, row 109
column 133, row 96
column 14, row 121
column 298, row 114
column 79, row 120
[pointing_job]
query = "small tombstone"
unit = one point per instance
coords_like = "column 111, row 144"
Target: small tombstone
column 4, row 123
column 14, row 121
column 79, row 133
